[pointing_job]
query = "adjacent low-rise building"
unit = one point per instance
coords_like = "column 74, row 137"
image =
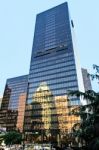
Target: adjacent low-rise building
column 13, row 103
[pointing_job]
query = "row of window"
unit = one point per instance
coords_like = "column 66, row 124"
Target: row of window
column 56, row 91
column 13, row 106
column 50, row 21
column 17, row 91
column 47, row 71
column 19, row 88
column 50, row 41
column 56, row 86
column 55, row 81
column 50, row 14
column 49, row 30
column 65, row 56
column 50, row 66
column 62, row 25
column 52, row 122
column 49, row 27
column 33, row 87
column 50, row 45
column 51, row 51
column 44, row 78
column 42, row 28
column 63, row 37
column 50, row 101
column 14, row 99
column 44, row 113
column 57, row 41
column 51, row 81
column 48, row 36
column 59, row 29
column 15, row 85
column 76, row 102
column 47, row 53
column 43, row 48
column 17, row 79
column 72, row 103
column 43, row 41
column 53, row 44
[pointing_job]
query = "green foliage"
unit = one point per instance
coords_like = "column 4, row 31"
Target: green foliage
column 1, row 137
column 13, row 137
column 88, row 128
column 96, row 74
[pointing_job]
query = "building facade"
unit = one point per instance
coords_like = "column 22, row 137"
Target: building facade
column 53, row 71
column 13, row 103
column 86, row 80
column 0, row 102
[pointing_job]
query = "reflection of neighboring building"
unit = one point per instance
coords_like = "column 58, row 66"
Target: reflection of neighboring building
column 43, row 111
column 65, row 120
column 86, row 80
column 62, row 112
column 42, row 99
column 9, row 119
column 6, row 98
column 21, row 111
column 4, row 107
column 13, row 103
column 50, row 114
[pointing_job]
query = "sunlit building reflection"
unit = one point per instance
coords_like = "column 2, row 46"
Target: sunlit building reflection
column 13, row 104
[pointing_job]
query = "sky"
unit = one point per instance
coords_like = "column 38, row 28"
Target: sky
column 17, row 22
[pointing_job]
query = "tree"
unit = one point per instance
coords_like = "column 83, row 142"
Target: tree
column 13, row 137
column 1, row 137
column 88, row 128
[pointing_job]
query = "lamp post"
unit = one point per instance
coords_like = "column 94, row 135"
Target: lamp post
column 23, row 137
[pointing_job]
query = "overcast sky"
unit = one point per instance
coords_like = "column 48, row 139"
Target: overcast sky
column 17, row 21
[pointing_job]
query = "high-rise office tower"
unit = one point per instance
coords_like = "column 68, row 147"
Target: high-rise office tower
column 13, row 103
column 54, row 70
column 86, row 80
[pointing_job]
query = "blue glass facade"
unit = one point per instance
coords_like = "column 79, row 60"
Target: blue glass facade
column 13, row 103
column 53, row 59
column 18, row 86
column 53, row 72
column 52, row 29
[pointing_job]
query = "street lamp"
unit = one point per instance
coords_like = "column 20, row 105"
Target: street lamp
column 23, row 137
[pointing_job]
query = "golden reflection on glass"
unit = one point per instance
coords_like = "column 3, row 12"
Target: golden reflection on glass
column 65, row 120
column 62, row 112
column 21, row 111
column 43, row 98
column 51, row 112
